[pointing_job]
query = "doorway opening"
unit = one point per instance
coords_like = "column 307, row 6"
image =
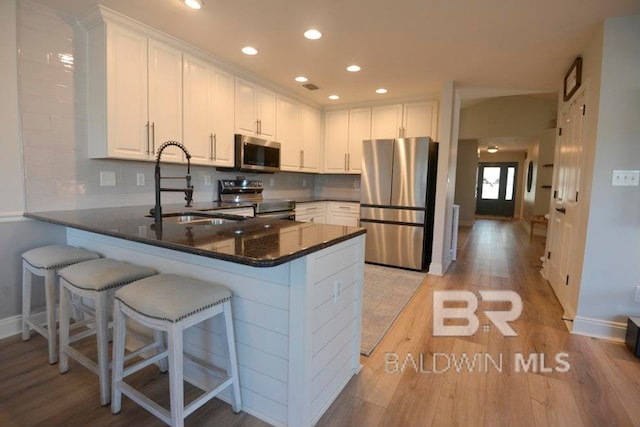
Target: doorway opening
column 496, row 192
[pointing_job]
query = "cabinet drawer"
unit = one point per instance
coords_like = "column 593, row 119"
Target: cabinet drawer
column 353, row 208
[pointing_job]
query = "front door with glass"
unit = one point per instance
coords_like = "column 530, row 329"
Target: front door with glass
column 496, row 192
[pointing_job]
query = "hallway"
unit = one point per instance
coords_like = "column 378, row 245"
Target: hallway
column 601, row 386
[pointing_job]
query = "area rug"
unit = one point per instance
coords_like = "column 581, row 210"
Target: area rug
column 386, row 291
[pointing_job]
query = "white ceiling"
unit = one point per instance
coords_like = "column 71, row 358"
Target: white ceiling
column 408, row 46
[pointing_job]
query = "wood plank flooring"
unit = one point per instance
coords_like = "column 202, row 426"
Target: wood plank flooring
column 600, row 388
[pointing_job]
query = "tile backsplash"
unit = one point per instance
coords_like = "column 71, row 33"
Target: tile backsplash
column 52, row 67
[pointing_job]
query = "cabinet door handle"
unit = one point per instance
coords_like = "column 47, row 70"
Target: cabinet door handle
column 211, row 156
column 215, row 146
column 153, row 138
column 348, row 161
column 561, row 210
column 301, row 158
column 148, row 132
column 345, row 161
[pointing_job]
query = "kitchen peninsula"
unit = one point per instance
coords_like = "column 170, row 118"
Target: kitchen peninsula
column 297, row 296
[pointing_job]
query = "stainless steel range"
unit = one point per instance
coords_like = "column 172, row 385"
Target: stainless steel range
column 241, row 190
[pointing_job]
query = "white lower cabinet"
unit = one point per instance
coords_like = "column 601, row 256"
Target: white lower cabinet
column 343, row 213
column 311, row 212
column 336, row 213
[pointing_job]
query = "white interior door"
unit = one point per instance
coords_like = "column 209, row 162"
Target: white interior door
column 564, row 206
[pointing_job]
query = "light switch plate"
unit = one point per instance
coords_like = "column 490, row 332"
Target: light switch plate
column 207, row 179
column 107, row 179
column 140, row 179
column 625, row 178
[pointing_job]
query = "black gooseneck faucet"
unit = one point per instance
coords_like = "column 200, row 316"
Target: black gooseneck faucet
column 188, row 191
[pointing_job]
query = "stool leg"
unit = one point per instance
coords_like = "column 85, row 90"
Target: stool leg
column 65, row 296
column 232, row 369
column 117, row 369
column 102, row 336
column 50, row 298
column 26, row 301
column 158, row 339
column 176, row 385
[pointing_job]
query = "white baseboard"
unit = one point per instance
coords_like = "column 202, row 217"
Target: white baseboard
column 10, row 326
column 598, row 328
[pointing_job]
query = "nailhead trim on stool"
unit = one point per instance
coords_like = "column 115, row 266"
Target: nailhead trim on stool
column 96, row 280
column 45, row 261
column 171, row 303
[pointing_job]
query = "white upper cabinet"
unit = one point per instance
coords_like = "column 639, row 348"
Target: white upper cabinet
column 408, row 120
column 420, row 119
column 208, row 113
column 223, row 116
column 118, row 113
column 344, row 132
column 289, row 130
column 311, row 139
column 336, row 141
column 359, row 130
column 255, row 110
column 165, row 97
column 386, row 121
column 135, row 94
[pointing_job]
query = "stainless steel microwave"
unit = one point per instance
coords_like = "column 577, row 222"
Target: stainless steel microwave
column 255, row 154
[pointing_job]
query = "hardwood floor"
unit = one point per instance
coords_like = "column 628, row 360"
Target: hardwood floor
column 600, row 388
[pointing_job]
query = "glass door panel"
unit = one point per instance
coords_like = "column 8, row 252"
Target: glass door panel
column 497, row 189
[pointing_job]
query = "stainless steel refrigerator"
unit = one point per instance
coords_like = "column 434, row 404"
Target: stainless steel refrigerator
column 397, row 200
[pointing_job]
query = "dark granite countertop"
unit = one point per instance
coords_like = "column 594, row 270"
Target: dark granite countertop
column 258, row 242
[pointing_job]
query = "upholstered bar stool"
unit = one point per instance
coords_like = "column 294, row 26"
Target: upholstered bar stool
column 45, row 262
column 171, row 303
column 95, row 280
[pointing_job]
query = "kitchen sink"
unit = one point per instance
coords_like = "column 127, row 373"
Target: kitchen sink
column 200, row 218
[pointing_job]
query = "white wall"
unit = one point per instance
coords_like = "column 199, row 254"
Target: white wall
column 11, row 177
column 508, row 116
column 466, row 180
column 611, row 270
column 449, row 116
column 16, row 233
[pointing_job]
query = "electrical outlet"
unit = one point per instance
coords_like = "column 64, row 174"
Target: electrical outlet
column 272, row 182
column 356, row 183
column 304, row 182
column 107, row 179
column 140, row 179
column 625, row 178
column 637, row 298
column 207, row 179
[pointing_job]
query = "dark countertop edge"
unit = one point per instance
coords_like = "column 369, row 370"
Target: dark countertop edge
column 303, row 200
column 252, row 262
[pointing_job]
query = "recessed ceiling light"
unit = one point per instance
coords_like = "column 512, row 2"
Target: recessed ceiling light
column 334, row 97
column 193, row 4
column 381, row 90
column 248, row 50
column 312, row 34
column 492, row 149
column 301, row 79
column 353, row 68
